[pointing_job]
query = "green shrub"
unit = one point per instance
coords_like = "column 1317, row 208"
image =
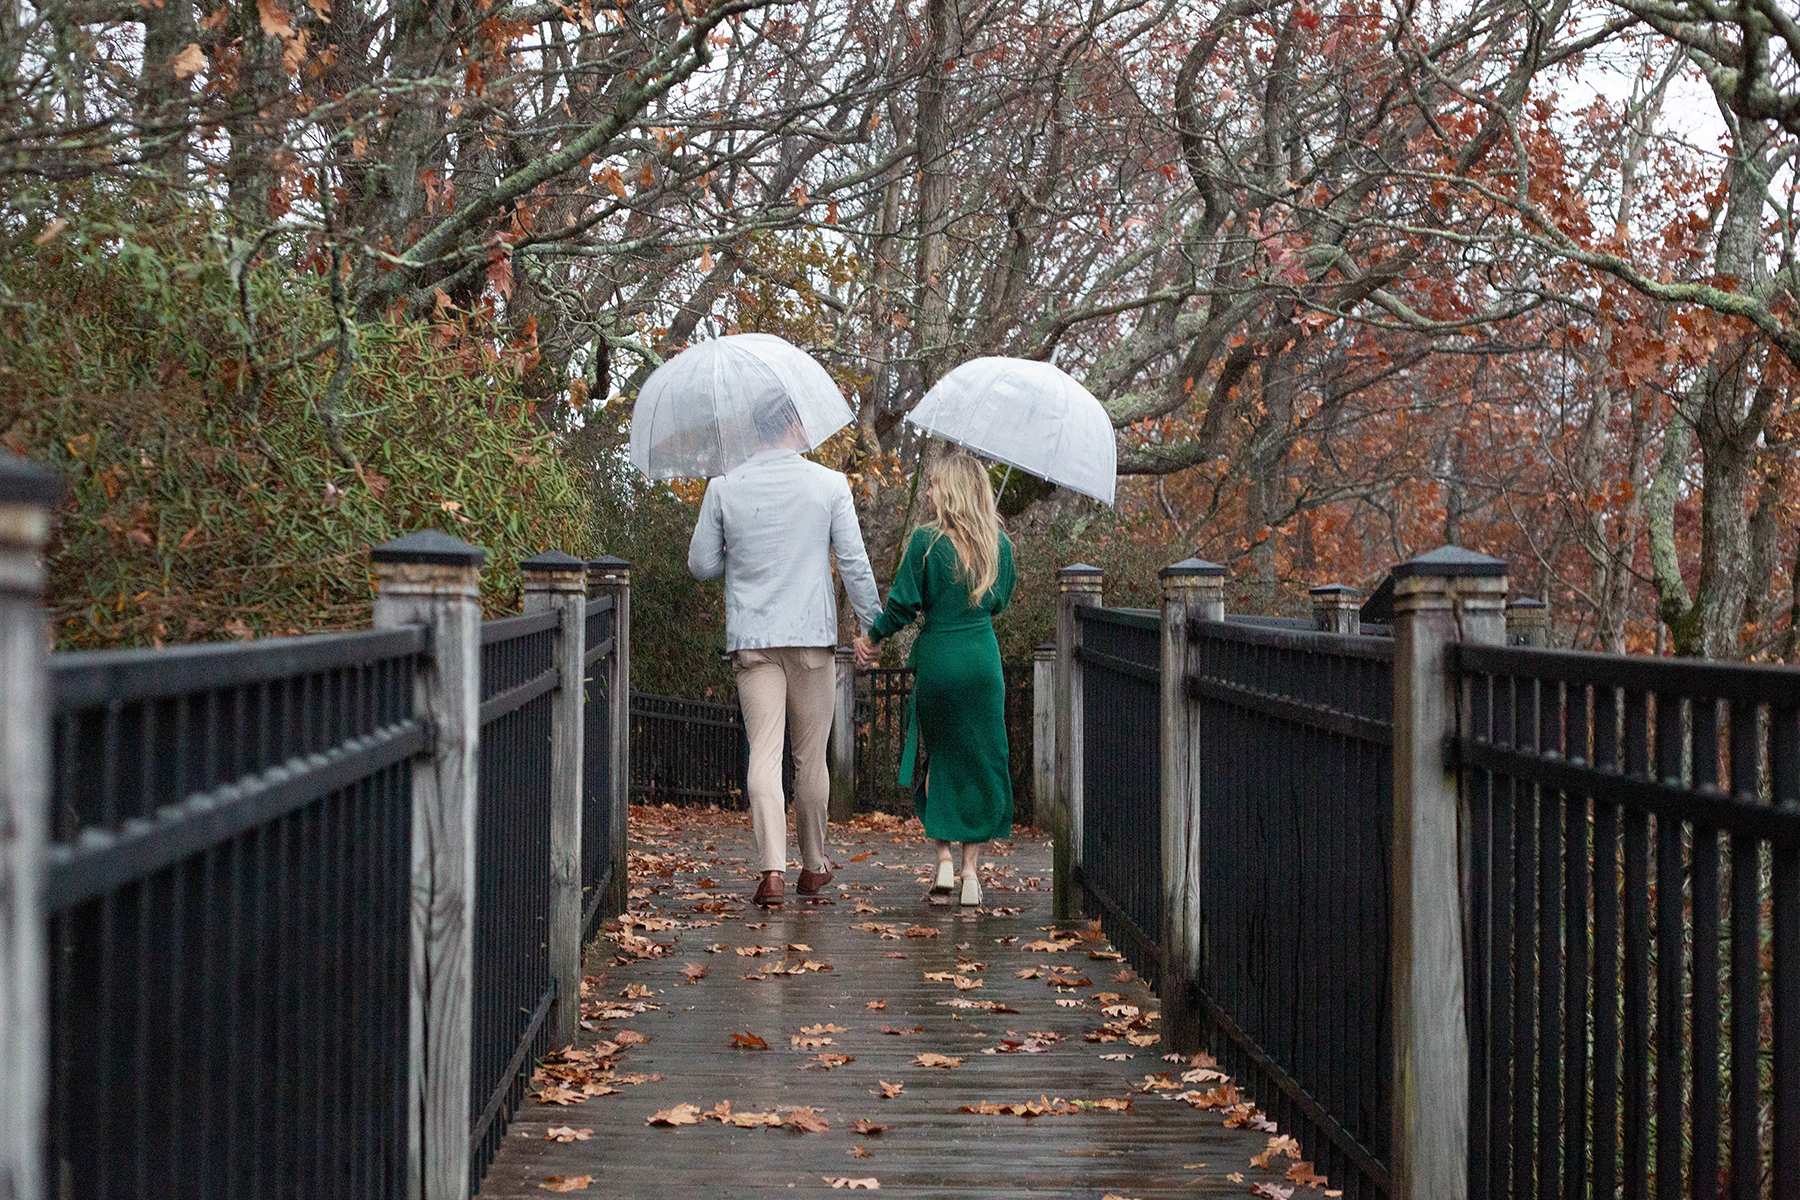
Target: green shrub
column 194, row 514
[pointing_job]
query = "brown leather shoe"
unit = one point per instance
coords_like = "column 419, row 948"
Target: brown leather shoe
column 812, row 881
column 768, row 892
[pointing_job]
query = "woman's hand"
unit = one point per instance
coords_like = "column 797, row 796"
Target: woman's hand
column 866, row 652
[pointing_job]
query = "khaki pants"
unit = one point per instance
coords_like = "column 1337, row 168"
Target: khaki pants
column 787, row 690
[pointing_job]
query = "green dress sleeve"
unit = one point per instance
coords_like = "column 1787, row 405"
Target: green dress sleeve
column 907, row 595
column 1000, row 595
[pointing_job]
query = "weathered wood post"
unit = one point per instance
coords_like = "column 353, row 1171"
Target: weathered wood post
column 557, row 582
column 1527, row 622
column 1043, row 732
column 431, row 579
column 1336, row 608
column 27, row 493
column 1079, row 586
column 1447, row 596
column 1191, row 589
column 842, row 758
column 609, row 576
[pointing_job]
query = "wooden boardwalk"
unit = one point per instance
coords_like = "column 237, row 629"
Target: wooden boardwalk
column 846, row 1006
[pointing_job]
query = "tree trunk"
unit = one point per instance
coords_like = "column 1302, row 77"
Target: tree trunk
column 934, row 193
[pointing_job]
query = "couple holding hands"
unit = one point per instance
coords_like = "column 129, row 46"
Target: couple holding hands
column 770, row 528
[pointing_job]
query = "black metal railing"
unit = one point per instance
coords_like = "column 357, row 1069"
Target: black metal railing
column 881, row 699
column 689, row 751
column 597, row 808
column 1295, row 804
column 1634, row 990
column 229, row 906
column 1121, row 779
column 513, row 987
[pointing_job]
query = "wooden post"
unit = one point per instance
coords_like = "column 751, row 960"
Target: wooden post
column 1527, row 622
column 1192, row 588
column 557, row 582
column 609, row 576
column 1043, row 733
column 843, row 738
column 1447, row 596
column 432, row 579
column 1079, row 586
column 27, row 493
column 1336, row 608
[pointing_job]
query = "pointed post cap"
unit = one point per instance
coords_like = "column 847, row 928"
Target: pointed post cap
column 1527, row 602
column 428, row 546
column 1451, row 562
column 25, row 482
column 607, row 562
column 553, row 560
column 1192, row 566
column 1333, row 589
column 1079, row 571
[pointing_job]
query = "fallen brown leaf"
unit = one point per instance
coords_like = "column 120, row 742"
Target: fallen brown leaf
column 826, row 1028
column 1302, row 1172
column 562, row 1133
column 694, row 971
column 749, row 1041
column 867, row 1127
column 681, row 1114
column 806, row 1120
column 826, row 1062
column 870, row 1184
column 938, row 1060
column 568, row 1183
column 889, row 1090
column 876, row 1004
column 903, row 1029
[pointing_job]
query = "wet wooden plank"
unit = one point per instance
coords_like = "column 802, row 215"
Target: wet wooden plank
column 1161, row 1147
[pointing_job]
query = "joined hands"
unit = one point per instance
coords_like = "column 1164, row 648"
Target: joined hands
column 866, row 652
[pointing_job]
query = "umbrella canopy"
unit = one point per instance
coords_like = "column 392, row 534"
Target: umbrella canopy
column 1029, row 415
column 712, row 406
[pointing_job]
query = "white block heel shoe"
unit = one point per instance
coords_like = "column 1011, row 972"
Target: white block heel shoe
column 945, row 883
column 971, row 892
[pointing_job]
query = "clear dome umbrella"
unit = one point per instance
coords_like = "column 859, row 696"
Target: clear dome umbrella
column 1029, row 415
column 708, row 409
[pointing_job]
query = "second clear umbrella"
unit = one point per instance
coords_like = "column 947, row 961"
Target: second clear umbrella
column 1029, row 415
column 708, row 409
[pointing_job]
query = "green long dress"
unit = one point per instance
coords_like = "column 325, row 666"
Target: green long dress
column 958, row 705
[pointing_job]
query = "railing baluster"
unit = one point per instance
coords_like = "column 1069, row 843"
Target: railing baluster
column 1636, row 1081
column 1784, row 788
column 1606, row 952
column 1670, row 954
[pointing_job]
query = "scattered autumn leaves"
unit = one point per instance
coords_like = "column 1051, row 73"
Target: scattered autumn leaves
column 572, row 1075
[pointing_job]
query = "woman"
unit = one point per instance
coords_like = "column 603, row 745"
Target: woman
column 958, row 572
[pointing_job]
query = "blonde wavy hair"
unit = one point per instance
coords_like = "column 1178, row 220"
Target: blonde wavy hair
column 963, row 505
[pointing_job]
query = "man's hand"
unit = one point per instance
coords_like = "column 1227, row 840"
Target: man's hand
column 866, row 652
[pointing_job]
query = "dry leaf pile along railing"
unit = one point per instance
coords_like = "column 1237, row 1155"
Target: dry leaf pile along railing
column 273, row 966
column 1578, row 971
column 1634, row 994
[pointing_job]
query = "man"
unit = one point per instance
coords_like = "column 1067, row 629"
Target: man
column 770, row 527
